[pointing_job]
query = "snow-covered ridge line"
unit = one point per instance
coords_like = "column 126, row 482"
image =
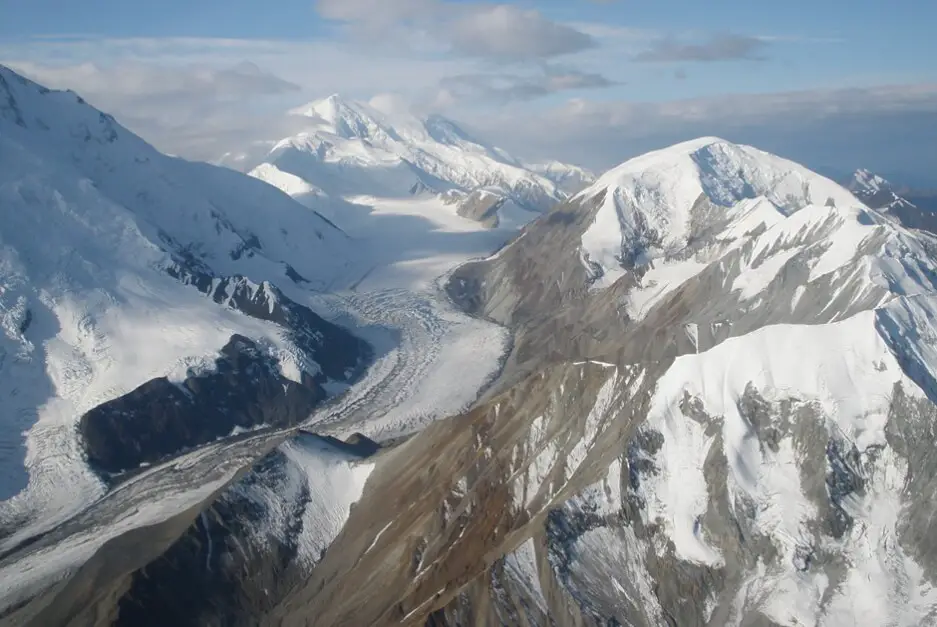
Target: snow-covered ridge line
column 670, row 214
column 354, row 148
column 99, row 236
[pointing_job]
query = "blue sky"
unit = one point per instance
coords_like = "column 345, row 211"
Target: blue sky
column 190, row 75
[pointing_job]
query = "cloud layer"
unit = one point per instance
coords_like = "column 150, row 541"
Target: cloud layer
column 474, row 29
column 192, row 110
column 507, row 87
column 892, row 129
column 717, row 48
column 507, row 32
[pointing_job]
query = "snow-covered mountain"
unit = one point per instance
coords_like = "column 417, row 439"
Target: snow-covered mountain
column 660, row 205
column 874, row 190
column 147, row 305
column 917, row 211
column 760, row 349
column 354, row 149
column 571, row 179
column 718, row 407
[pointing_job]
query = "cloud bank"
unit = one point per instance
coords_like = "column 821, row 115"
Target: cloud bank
column 891, row 129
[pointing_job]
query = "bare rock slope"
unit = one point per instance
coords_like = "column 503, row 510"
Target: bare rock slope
column 742, row 440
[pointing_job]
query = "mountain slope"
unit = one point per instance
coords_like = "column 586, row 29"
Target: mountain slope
column 570, row 179
column 144, row 285
column 353, row 149
column 759, row 470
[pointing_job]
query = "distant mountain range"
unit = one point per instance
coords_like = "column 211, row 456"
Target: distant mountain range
column 352, row 149
column 914, row 208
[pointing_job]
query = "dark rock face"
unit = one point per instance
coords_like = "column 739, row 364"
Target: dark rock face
column 341, row 355
column 219, row 572
column 356, row 444
column 160, row 418
column 481, row 206
column 246, row 389
column 212, row 575
column 843, row 479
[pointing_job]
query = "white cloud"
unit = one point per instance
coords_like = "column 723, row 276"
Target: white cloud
column 376, row 11
column 717, row 48
column 891, row 128
column 319, row 66
column 194, row 110
column 507, row 32
column 508, row 87
column 145, row 83
column 475, row 29
column 390, row 103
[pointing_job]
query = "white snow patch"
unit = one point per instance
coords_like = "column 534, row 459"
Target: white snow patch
column 847, row 369
column 411, row 242
column 755, row 279
column 662, row 278
column 335, row 481
column 521, row 565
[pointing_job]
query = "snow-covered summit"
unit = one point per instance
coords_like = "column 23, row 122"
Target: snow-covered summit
column 334, row 116
column 867, row 181
column 393, row 130
column 354, row 148
column 657, row 204
column 212, row 212
column 570, row 178
column 872, row 189
column 916, row 210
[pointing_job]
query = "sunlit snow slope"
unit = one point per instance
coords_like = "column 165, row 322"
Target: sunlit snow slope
column 354, row 148
column 119, row 265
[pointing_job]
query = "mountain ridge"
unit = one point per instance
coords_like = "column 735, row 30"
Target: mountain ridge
column 352, row 148
column 717, row 407
column 121, row 268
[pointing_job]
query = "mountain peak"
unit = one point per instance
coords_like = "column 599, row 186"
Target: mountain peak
column 60, row 116
column 654, row 204
column 725, row 173
column 352, row 147
column 867, row 182
column 345, row 118
column 694, row 145
column 328, row 108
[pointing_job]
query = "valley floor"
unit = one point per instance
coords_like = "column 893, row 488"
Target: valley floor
column 409, row 242
column 433, row 359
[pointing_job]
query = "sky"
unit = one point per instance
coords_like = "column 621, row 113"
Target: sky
column 836, row 84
